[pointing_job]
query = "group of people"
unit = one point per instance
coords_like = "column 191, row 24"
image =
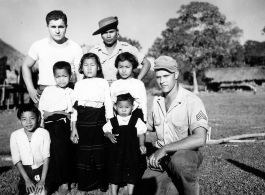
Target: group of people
column 94, row 132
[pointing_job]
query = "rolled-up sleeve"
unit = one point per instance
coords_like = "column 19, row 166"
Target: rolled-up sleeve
column 33, row 52
column 197, row 115
column 14, row 149
column 141, row 127
column 107, row 127
column 46, row 145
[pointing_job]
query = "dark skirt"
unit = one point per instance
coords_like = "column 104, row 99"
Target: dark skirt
column 91, row 154
column 125, row 162
column 58, row 126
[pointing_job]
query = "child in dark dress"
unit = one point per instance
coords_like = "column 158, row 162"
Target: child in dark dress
column 126, row 133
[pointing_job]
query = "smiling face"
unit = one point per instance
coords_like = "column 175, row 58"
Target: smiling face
column 125, row 69
column 61, row 77
column 57, row 30
column 166, row 80
column 90, row 68
column 110, row 36
column 29, row 121
column 124, row 108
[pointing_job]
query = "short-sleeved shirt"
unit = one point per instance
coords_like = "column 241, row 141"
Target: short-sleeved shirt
column 185, row 114
column 30, row 153
column 47, row 56
column 108, row 61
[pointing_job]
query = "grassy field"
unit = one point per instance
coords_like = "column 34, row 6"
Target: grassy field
column 227, row 168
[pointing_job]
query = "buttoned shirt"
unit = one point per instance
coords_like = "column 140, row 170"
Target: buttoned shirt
column 140, row 125
column 108, row 61
column 133, row 86
column 93, row 92
column 185, row 114
column 30, row 153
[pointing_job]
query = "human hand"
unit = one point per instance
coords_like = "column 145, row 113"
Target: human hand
column 143, row 149
column 156, row 157
column 74, row 136
column 34, row 95
column 112, row 137
column 30, row 187
column 40, row 187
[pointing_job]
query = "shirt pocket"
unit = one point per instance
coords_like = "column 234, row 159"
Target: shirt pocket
column 181, row 129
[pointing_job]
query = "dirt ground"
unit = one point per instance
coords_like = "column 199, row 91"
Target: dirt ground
column 235, row 168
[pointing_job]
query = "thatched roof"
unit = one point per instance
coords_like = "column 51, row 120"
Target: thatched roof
column 14, row 57
column 238, row 74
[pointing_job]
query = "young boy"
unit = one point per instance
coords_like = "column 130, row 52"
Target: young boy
column 56, row 107
column 30, row 149
column 48, row 51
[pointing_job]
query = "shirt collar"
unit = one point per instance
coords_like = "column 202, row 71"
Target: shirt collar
column 117, row 48
column 177, row 100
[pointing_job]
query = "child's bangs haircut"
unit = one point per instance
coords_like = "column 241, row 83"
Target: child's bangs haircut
column 62, row 65
column 56, row 15
column 125, row 97
column 126, row 56
column 91, row 56
column 28, row 108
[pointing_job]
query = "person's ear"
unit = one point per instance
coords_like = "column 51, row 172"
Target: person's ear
column 176, row 75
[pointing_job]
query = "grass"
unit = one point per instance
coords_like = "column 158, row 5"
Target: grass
column 226, row 169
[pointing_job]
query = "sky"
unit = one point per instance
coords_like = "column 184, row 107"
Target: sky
column 23, row 21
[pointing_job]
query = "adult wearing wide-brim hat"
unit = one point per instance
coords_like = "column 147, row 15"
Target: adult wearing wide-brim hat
column 112, row 47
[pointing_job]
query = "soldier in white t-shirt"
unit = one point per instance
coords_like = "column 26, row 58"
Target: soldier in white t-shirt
column 48, row 51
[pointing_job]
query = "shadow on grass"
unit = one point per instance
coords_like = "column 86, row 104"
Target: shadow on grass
column 5, row 169
column 247, row 168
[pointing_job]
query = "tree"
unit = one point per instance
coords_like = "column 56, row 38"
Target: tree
column 134, row 43
column 199, row 37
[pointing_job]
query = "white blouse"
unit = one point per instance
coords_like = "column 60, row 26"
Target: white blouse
column 140, row 125
column 30, row 153
column 133, row 86
column 93, row 92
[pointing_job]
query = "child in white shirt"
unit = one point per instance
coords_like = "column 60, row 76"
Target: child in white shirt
column 94, row 106
column 125, row 63
column 56, row 107
column 30, row 150
column 126, row 134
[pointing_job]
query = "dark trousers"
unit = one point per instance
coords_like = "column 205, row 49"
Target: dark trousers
column 180, row 175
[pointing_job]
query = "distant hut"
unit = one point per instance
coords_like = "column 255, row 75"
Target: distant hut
column 236, row 78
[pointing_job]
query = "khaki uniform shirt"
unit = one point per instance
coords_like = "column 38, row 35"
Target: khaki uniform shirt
column 108, row 61
column 185, row 114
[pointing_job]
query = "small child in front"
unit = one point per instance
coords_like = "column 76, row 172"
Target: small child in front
column 30, row 150
column 56, row 107
column 126, row 133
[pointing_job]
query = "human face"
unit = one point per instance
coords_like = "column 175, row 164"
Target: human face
column 61, row 77
column 29, row 121
column 166, row 80
column 110, row 36
column 125, row 69
column 57, row 30
column 124, row 108
column 90, row 68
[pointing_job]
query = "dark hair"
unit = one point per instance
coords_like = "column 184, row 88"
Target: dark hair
column 62, row 65
column 126, row 56
column 96, row 58
column 125, row 97
column 28, row 108
column 56, row 15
